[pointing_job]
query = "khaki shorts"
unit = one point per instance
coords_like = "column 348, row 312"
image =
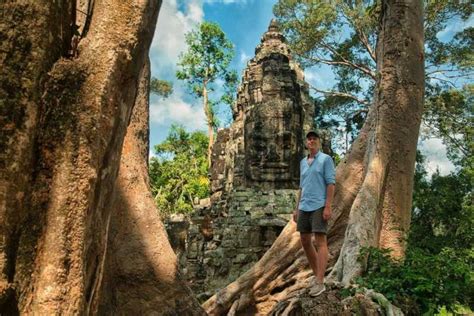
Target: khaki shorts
column 311, row 222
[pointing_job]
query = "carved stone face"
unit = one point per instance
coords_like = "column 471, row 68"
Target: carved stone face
column 272, row 133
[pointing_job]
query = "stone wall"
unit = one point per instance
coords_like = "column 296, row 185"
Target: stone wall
column 219, row 249
column 254, row 172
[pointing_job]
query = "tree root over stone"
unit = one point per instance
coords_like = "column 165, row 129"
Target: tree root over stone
column 332, row 302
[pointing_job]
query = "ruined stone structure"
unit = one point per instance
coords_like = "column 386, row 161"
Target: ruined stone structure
column 255, row 169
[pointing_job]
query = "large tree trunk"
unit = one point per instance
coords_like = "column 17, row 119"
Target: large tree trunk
column 380, row 215
column 374, row 183
column 140, row 272
column 63, row 124
column 32, row 37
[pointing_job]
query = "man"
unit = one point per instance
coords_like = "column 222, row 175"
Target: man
column 313, row 208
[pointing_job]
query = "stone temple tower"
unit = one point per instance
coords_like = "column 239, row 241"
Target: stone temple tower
column 273, row 109
column 255, row 169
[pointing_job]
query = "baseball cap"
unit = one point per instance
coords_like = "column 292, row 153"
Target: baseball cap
column 312, row 133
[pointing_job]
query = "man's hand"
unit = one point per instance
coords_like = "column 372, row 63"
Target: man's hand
column 327, row 213
column 295, row 215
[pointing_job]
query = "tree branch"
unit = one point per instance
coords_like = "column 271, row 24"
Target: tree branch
column 329, row 62
column 360, row 111
column 361, row 68
column 341, row 94
column 344, row 61
column 363, row 38
column 361, row 35
column 444, row 80
column 449, row 70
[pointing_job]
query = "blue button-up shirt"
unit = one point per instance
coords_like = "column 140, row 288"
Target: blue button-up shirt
column 314, row 180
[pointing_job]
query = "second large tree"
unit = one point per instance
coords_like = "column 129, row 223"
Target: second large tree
column 374, row 183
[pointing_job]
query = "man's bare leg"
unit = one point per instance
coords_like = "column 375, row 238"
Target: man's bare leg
column 322, row 256
column 310, row 251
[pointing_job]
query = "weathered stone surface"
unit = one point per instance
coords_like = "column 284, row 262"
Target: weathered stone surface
column 255, row 169
column 274, row 108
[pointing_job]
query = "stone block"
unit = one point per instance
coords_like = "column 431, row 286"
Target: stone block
column 262, row 202
column 228, row 243
column 228, row 232
column 272, row 221
column 257, row 214
column 286, row 217
column 248, row 194
column 192, row 251
column 246, row 204
column 270, row 208
column 243, row 258
column 270, row 236
column 240, row 220
column 254, row 239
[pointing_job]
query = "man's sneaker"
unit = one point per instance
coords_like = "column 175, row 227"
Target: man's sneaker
column 317, row 289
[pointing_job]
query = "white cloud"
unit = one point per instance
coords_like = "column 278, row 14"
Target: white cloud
column 195, row 13
column 312, row 76
column 455, row 27
column 244, row 58
column 168, row 41
column 175, row 110
column 176, row 18
column 436, row 158
column 320, row 76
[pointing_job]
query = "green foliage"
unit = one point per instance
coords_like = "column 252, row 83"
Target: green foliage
column 342, row 35
column 424, row 282
column 437, row 269
column 207, row 59
column 178, row 174
column 449, row 114
column 455, row 55
column 161, row 88
column 443, row 214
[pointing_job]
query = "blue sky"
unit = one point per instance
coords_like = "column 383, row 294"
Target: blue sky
column 244, row 22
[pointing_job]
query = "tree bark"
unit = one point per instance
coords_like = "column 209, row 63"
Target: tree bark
column 374, row 183
column 140, row 270
column 63, row 128
column 210, row 129
column 380, row 215
column 32, row 37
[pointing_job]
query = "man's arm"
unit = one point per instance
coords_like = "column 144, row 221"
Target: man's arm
column 295, row 212
column 330, row 188
column 330, row 177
